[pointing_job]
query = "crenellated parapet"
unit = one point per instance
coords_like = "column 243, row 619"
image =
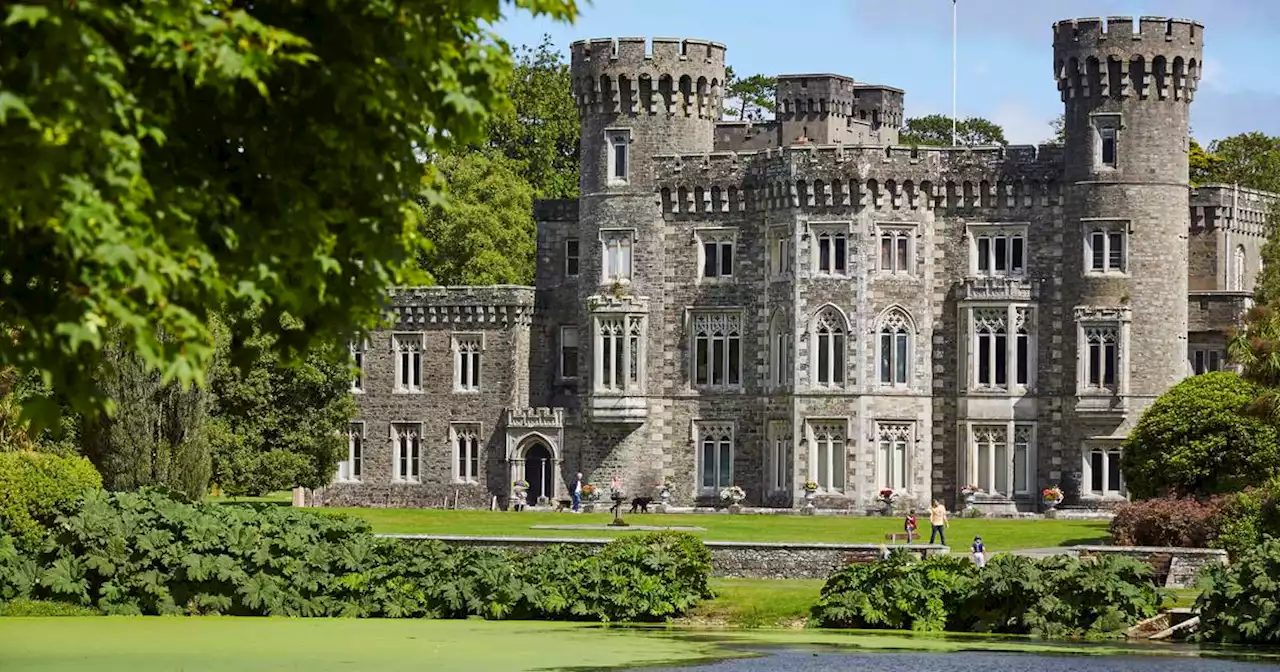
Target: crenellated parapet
column 1155, row 58
column 665, row 76
column 1237, row 210
column 953, row 179
column 495, row 305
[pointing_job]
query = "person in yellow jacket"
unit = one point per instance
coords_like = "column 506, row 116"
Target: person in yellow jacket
column 938, row 523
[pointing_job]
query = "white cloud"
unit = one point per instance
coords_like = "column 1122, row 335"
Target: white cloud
column 1022, row 124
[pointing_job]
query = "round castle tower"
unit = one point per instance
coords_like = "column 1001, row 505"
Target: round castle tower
column 1127, row 91
column 635, row 101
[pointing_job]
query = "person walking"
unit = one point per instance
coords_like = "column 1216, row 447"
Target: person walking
column 909, row 525
column 938, row 523
column 577, row 492
column 979, row 552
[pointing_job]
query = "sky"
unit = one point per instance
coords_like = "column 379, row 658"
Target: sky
column 1005, row 68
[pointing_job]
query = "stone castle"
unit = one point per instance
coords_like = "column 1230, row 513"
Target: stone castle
column 803, row 300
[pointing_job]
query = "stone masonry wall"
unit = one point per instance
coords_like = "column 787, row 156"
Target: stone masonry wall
column 734, row 560
column 1172, row 567
column 498, row 315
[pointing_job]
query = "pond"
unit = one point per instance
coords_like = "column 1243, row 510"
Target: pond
column 817, row 661
column 217, row 644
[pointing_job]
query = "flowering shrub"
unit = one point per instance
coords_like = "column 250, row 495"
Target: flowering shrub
column 1052, row 494
column 810, row 486
column 520, row 483
column 590, row 491
column 970, row 490
column 889, row 495
column 1167, row 522
column 733, row 493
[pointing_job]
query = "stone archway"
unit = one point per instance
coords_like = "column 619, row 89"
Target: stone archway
column 539, row 471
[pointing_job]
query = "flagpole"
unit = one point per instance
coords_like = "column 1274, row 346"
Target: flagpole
column 953, row 74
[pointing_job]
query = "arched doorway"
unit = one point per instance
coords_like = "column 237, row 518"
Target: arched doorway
column 539, row 470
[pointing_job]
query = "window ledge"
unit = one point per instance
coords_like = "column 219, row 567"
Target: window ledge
column 459, row 390
column 404, row 391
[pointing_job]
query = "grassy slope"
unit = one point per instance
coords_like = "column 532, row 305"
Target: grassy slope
column 999, row 535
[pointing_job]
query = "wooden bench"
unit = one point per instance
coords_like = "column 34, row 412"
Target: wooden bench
column 893, row 537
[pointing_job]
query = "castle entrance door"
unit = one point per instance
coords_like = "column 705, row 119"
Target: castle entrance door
column 539, row 470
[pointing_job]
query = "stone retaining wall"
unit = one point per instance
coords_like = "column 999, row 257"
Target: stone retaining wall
column 729, row 559
column 1173, row 567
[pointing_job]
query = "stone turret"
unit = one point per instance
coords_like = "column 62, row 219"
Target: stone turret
column 1127, row 89
column 636, row 101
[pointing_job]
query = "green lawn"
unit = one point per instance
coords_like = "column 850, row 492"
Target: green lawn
column 757, row 603
column 999, row 535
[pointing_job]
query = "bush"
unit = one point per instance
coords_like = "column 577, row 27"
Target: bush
column 1249, row 517
column 1168, row 521
column 1237, row 602
column 1050, row 597
column 39, row 609
column 899, row 593
column 145, row 553
column 36, row 487
column 1197, row 440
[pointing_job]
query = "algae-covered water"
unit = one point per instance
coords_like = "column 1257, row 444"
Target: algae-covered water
column 966, row 661
column 200, row 644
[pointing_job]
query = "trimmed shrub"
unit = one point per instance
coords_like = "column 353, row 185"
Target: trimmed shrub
column 145, row 553
column 1197, row 440
column 1050, row 597
column 1167, row 521
column 1238, row 603
column 36, row 487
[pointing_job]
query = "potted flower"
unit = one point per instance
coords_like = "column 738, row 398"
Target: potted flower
column 733, row 494
column 969, row 493
column 590, row 494
column 663, row 492
column 1052, row 497
column 888, row 497
column 810, row 490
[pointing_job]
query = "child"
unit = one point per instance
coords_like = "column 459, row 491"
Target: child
column 979, row 552
column 910, row 524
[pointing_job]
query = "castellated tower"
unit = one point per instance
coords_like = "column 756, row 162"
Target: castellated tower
column 636, row 101
column 1127, row 91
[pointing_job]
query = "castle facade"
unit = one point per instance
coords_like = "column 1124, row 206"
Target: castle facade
column 804, row 300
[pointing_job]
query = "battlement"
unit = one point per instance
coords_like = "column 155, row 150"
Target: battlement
column 1096, row 30
column 637, row 50
column 497, row 306
column 1154, row 58
column 665, row 76
column 893, row 177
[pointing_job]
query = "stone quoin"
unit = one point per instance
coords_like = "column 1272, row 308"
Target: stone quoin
column 803, row 299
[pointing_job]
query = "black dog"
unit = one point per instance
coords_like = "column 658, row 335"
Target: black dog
column 641, row 503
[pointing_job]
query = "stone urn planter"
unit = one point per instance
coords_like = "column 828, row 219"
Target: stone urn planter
column 969, row 495
column 734, row 496
column 664, row 498
column 520, row 493
column 1051, row 496
column 810, row 493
